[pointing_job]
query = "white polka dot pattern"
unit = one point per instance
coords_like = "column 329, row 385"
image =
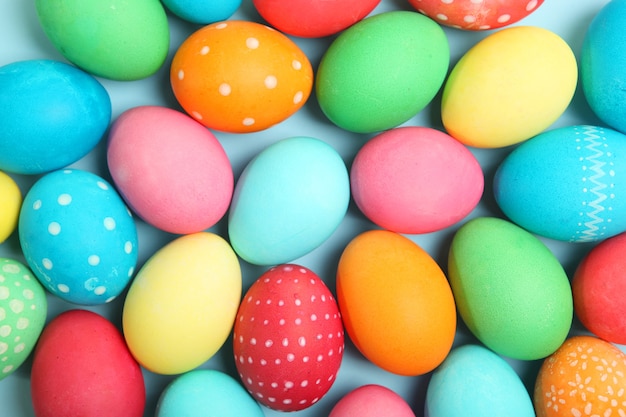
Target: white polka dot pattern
column 288, row 338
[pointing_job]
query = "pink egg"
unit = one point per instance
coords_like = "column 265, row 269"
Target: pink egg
column 415, row 180
column 372, row 401
column 598, row 279
column 169, row 169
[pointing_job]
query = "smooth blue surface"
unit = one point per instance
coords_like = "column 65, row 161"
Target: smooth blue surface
column 203, row 11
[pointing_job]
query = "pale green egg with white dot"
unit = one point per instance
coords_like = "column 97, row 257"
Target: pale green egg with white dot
column 23, row 310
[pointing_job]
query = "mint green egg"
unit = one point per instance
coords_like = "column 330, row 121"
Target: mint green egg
column 510, row 289
column 382, row 71
column 23, row 310
column 115, row 39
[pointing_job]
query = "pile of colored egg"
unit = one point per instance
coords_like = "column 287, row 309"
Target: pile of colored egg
column 323, row 208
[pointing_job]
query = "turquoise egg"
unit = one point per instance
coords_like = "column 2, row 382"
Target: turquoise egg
column 567, row 184
column 78, row 237
column 51, row 115
column 288, row 200
column 203, row 12
column 473, row 381
column 206, row 392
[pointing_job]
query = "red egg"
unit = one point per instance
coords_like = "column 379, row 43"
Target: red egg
column 313, row 18
column 598, row 286
column 82, row 367
column 476, row 14
column 288, row 338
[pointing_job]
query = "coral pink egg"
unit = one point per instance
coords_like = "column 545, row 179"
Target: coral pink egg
column 371, row 401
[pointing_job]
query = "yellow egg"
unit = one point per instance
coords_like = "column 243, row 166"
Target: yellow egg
column 181, row 306
column 509, row 87
column 11, row 202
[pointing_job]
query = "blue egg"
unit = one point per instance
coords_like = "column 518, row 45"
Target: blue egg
column 51, row 115
column 206, row 392
column 78, row 237
column 289, row 199
column 602, row 64
column 567, row 184
column 473, row 381
column 203, row 12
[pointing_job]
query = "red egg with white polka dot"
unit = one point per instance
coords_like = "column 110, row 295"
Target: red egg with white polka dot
column 476, row 14
column 240, row 76
column 288, row 338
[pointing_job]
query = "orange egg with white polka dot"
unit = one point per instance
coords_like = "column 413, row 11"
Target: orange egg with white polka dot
column 239, row 76
column 586, row 376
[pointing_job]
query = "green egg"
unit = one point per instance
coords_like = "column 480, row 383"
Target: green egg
column 510, row 289
column 23, row 310
column 382, row 71
column 115, row 39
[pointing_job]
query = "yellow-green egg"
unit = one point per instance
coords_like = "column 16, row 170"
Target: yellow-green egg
column 181, row 306
column 508, row 87
column 23, row 310
column 10, row 201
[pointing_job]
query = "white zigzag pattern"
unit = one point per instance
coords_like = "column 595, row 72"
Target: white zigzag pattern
column 594, row 143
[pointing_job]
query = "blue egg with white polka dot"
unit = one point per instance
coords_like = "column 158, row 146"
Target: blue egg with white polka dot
column 78, row 236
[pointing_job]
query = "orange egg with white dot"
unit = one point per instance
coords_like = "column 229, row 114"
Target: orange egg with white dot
column 586, row 376
column 240, row 77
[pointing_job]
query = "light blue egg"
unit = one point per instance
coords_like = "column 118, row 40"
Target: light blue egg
column 567, row 184
column 203, row 12
column 206, row 392
column 473, row 381
column 289, row 199
column 51, row 115
column 78, row 237
column 602, row 64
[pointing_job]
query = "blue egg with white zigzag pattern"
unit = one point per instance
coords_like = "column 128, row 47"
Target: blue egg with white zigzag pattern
column 78, row 237
column 567, row 184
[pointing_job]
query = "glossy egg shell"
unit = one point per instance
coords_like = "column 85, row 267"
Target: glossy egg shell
column 597, row 286
column 51, row 115
column 288, row 338
column 312, row 18
column 11, row 202
column 476, row 15
column 415, row 180
column 82, row 367
column 225, row 74
column 585, row 376
column 23, row 312
column 396, row 303
column 567, row 184
column 78, row 236
column 371, row 400
column 203, row 12
column 171, row 170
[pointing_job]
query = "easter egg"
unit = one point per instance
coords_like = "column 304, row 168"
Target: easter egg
column 288, row 338
column 51, row 115
column 390, row 167
column 396, row 304
column 602, row 61
column 288, row 201
column 82, row 367
column 225, row 75
column 78, row 237
column 115, row 39
column 597, row 285
column 510, row 86
column 311, row 18
column 11, row 202
column 476, row 15
column 171, row 170
column 566, row 184
column 202, row 12
column 203, row 392
column 510, row 289
column 584, row 377
column 23, row 309
column 382, row 71
column 474, row 381
column 371, row 400
column 174, row 325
